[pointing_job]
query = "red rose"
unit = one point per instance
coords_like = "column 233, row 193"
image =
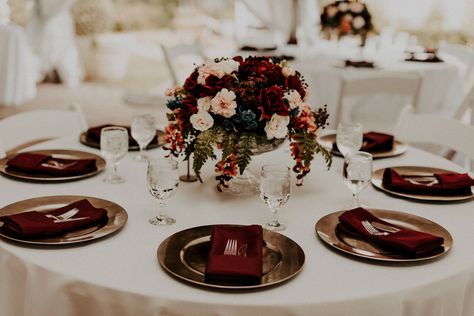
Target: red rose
column 191, row 82
column 261, row 67
column 188, row 107
column 214, row 85
column 294, row 83
column 272, row 102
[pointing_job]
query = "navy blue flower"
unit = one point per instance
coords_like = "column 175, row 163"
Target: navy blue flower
column 249, row 119
column 175, row 103
column 228, row 125
column 294, row 112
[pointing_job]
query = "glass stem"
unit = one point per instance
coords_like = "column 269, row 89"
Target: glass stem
column 142, row 149
column 274, row 222
column 114, row 169
column 355, row 200
column 162, row 213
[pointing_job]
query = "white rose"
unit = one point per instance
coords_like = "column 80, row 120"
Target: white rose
column 228, row 66
column 287, row 71
column 358, row 22
column 294, row 99
column 357, row 7
column 204, row 104
column 224, row 103
column 277, row 127
column 343, row 6
column 209, row 68
column 202, row 121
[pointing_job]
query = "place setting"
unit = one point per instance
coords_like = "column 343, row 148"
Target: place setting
column 60, row 220
column 142, row 134
column 350, row 136
column 225, row 256
column 52, row 165
column 424, row 183
column 378, row 234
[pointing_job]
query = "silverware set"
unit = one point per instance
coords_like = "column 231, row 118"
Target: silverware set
column 232, row 250
column 66, row 217
column 379, row 229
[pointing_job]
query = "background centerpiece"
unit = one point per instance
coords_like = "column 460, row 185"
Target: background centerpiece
column 346, row 17
column 235, row 104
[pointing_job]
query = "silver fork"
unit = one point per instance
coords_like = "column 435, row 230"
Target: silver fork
column 372, row 230
column 65, row 216
column 230, row 247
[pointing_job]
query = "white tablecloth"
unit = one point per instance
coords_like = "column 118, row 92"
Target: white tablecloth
column 120, row 275
column 441, row 88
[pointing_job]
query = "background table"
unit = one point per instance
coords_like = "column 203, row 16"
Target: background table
column 120, row 275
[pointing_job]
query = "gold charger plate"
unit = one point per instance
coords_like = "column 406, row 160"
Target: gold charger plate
column 378, row 175
column 95, row 144
column 56, row 153
column 398, row 147
column 327, row 232
column 117, row 217
column 184, row 255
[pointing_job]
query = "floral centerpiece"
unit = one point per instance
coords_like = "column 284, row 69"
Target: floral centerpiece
column 234, row 104
column 345, row 17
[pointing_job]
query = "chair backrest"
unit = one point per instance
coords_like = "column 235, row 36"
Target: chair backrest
column 432, row 129
column 28, row 126
column 396, row 90
column 465, row 112
column 173, row 52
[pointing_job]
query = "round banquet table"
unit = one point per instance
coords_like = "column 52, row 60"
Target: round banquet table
column 120, row 274
column 441, row 90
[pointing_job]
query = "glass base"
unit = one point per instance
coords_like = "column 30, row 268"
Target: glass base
column 113, row 179
column 188, row 178
column 162, row 221
column 274, row 226
column 243, row 184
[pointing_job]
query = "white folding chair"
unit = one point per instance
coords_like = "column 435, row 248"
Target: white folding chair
column 379, row 98
column 436, row 130
column 172, row 53
column 26, row 128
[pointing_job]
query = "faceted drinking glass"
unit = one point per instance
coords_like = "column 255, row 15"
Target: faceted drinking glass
column 349, row 137
column 143, row 131
column 357, row 173
column 114, row 146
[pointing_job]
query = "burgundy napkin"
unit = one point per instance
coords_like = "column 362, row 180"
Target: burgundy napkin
column 431, row 57
column 94, row 134
column 35, row 224
column 45, row 164
column 374, row 142
column 450, row 183
column 240, row 269
column 359, row 64
column 405, row 241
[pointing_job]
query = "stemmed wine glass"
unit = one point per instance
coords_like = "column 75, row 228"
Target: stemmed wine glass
column 114, row 146
column 143, row 131
column 163, row 180
column 349, row 137
column 275, row 191
column 357, row 173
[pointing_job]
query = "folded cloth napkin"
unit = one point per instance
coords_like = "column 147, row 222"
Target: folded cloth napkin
column 94, row 134
column 359, row 64
column 245, row 268
column 35, row 224
column 374, row 142
column 404, row 241
column 46, row 164
column 428, row 57
column 449, row 183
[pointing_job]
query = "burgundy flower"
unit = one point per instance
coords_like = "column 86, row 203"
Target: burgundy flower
column 261, row 67
column 191, row 82
column 272, row 102
column 188, row 107
column 294, row 82
column 214, row 85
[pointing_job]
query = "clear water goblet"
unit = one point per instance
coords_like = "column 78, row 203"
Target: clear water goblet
column 357, row 173
column 143, row 131
column 163, row 180
column 114, row 147
column 275, row 191
column 349, row 137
